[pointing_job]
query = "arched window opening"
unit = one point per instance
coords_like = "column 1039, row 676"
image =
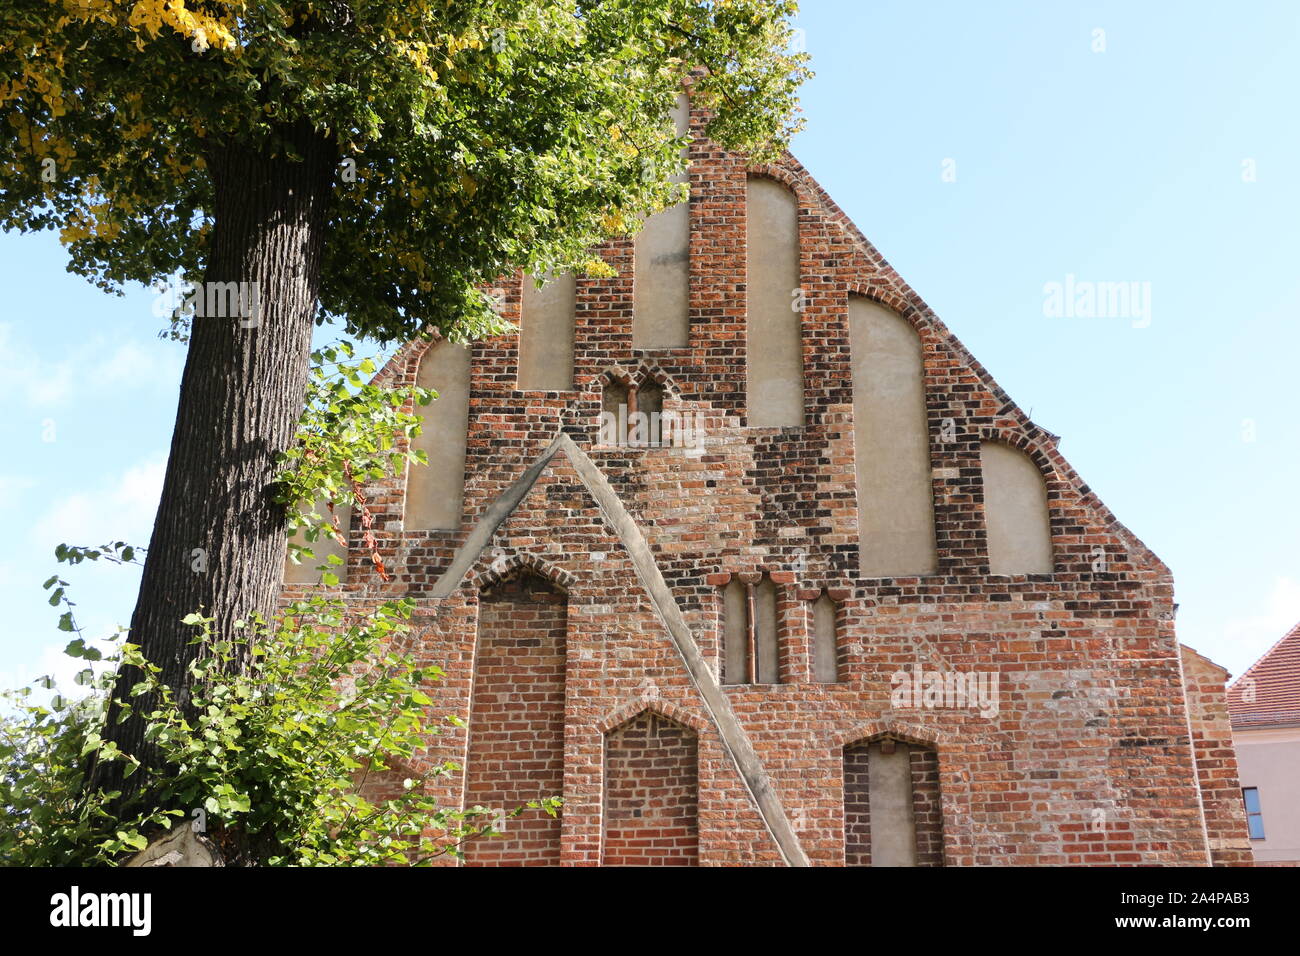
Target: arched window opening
column 651, row 794
column 892, row 810
column 647, row 426
column 891, row 442
column 661, row 268
column 826, row 653
column 1015, row 512
column 435, row 491
column 632, row 415
column 774, row 304
column 516, row 725
column 751, row 643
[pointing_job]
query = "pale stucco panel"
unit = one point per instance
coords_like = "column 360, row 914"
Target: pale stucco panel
column 661, row 272
column 435, row 491
column 546, row 333
column 1015, row 512
column 773, row 336
column 891, row 443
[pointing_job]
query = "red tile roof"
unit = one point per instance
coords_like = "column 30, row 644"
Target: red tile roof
column 1268, row 694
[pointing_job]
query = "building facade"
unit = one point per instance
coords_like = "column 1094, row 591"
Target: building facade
column 1265, row 707
column 745, row 556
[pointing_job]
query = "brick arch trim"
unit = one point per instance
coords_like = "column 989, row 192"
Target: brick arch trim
column 615, row 375
column 785, row 176
column 904, row 731
column 647, row 704
column 1032, row 450
column 891, row 299
column 653, row 373
column 499, row 570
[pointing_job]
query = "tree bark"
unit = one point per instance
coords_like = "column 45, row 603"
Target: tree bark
column 218, row 542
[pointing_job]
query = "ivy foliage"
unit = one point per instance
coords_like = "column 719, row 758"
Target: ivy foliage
column 350, row 433
column 472, row 137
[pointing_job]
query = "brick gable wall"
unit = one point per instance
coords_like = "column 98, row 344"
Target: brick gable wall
column 1090, row 735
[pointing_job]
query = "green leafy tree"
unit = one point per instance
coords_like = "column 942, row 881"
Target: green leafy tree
column 371, row 161
column 270, row 743
column 269, row 761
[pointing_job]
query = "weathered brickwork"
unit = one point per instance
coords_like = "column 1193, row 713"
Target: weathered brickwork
column 1085, row 756
column 927, row 808
column 651, row 794
column 516, row 718
column 857, row 805
column 1216, row 760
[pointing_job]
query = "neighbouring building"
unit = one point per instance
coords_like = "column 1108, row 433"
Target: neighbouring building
column 1265, row 706
column 745, row 556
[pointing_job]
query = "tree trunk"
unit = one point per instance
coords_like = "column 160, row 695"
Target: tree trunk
column 218, row 542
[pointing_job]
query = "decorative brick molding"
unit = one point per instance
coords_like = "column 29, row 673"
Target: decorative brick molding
column 654, row 705
column 506, row 566
column 901, row 730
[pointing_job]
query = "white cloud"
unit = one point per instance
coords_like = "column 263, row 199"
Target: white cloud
column 120, row 510
column 129, row 363
column 11, row 487
column 25, row 374
column 1255, row 633
column 92, row 366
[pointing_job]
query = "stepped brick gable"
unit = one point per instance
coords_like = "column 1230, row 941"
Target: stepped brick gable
column 801, row 586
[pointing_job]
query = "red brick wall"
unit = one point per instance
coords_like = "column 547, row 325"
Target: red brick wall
column 516, row 739
column 651, row 794
column 927, row 809
column 1216, row 761
column 1092, row 722
column 857, row 805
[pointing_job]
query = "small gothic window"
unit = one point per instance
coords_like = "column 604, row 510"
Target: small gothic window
column 613, row 413
column 892, row 807
column 826, row 665
column 632, row 415
column 751, row 649
column 647, row 425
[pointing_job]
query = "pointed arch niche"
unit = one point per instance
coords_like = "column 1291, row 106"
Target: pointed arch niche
column 892, row 810
column 516, row 723
column 1015, row 511
column 661, row 276
column 651, row 809
column 435, row 492
column 773, row 328
column 891, row 443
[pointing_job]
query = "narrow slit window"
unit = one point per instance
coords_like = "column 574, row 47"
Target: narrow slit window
column 647, row 425
column 826, row 664
column 614, row 408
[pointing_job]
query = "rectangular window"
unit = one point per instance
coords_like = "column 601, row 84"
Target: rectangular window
column 1254, row 817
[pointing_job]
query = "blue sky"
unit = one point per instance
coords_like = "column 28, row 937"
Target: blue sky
column 1125, row 164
